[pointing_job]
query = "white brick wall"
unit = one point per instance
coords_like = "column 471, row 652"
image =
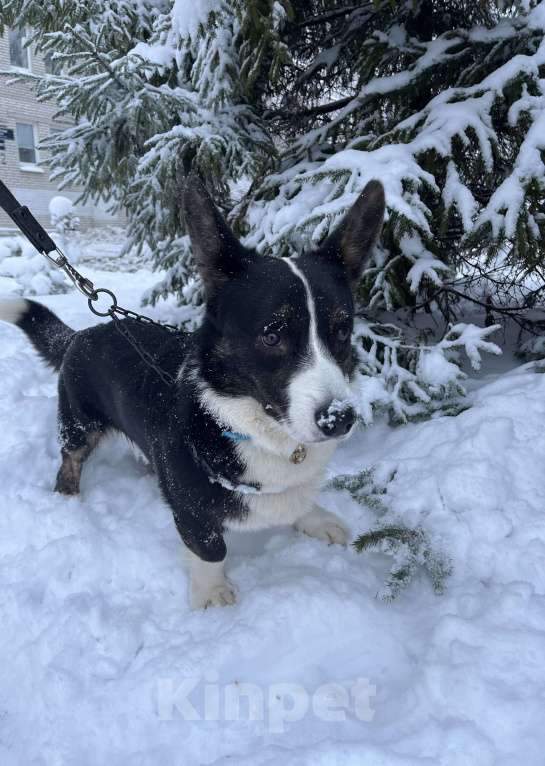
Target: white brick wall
column 32, row 187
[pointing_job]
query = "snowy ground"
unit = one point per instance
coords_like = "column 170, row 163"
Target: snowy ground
column 101, row 661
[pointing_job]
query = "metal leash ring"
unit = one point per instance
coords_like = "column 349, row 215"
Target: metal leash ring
column 40, row 239
column 92, row 298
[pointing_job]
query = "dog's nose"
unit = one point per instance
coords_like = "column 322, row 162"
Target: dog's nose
column 335, row 420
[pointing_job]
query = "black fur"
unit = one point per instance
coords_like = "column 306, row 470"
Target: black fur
column 50, row 337
column 104, row 384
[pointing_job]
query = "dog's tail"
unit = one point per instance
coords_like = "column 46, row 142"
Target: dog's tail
column 49, row 336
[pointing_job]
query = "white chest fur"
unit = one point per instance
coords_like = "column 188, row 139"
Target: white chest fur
column 288, row 489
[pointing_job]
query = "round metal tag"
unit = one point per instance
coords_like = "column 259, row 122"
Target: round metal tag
column 298, row 454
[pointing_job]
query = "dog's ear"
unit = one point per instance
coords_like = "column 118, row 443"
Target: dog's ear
column 218, row 253
column 353, row 239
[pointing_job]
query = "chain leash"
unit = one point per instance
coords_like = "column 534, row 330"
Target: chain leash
column 116, row 312
column 43, row 243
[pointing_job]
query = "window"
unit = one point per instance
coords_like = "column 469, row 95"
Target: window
column 26, row 143
column 18, row 55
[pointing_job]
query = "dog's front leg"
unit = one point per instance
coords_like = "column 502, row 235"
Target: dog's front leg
column 323, row 525
column 198, row 512
column 199, row 507
column 208, row 585
column 205, row 553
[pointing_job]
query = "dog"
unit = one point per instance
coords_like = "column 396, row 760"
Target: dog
column 262, row 393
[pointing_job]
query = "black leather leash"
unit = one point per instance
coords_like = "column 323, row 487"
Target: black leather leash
column 40, row 239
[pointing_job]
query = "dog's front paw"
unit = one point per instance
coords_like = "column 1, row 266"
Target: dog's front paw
column 323, row 525
column 222, row 594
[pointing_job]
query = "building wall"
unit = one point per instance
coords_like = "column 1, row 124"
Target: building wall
column 31, row 184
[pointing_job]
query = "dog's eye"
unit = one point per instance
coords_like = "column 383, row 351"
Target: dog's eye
column 343, row 333
column 270, row 338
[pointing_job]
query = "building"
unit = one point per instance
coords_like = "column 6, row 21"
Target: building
column 24, row 122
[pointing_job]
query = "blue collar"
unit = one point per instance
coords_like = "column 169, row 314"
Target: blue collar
column 234, row 436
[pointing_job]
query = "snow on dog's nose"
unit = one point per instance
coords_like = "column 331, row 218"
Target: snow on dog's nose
column 336, row 419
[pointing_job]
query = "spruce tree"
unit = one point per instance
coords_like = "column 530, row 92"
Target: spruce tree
column 287, row 108
column 443, row 101
column 156, row 89
column 410, row 551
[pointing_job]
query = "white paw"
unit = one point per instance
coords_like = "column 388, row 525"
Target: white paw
column 333, row 533
column 222, row 594
column 323, row 526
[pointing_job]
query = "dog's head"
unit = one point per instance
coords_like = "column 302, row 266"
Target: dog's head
column 279, row 330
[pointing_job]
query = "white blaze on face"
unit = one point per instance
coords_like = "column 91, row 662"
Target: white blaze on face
column 319, row 380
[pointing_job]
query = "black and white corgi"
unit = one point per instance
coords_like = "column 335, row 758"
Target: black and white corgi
column 260, row 403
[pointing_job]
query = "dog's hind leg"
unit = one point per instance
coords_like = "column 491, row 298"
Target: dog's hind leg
column 79, row 434
column 69, row 474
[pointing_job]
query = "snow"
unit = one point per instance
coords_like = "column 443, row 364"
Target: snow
column 188, row 15
column 506, row 202
column 66, row 225
column 102, row 662
column 536, row 17
column 390, row 384
column 159, row 55
column 434, row 369
column 456, row 193
column 59, row 207
column 308, row 198
column 336, row 409
column 424, row 263
column 24, row 271
column 297, row 207
column 433, row 52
